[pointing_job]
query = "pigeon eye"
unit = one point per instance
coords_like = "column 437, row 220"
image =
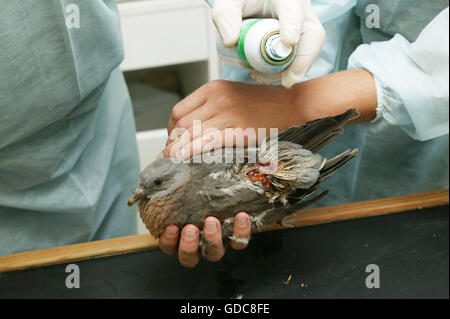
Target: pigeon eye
column 157, row 182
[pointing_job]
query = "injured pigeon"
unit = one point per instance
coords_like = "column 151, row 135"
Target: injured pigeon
column 182, row 193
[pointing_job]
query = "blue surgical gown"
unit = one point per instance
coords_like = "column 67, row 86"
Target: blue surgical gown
column 68, row 153
column 406, row 149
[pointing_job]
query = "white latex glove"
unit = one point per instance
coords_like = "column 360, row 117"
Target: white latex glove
column 298, row 26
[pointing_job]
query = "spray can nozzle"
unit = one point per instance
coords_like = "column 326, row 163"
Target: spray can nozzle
column 275, row 49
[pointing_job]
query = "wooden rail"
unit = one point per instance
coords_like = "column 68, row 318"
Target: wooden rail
column 305, row 217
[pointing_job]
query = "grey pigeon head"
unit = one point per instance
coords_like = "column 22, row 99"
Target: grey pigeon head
column 160, row 177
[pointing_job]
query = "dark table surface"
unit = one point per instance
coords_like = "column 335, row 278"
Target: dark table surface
column 410, row 248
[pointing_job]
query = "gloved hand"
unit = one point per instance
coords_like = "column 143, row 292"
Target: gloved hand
column 298, row 26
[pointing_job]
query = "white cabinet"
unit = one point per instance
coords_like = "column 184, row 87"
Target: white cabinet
column 167, row 32
column 175, row 35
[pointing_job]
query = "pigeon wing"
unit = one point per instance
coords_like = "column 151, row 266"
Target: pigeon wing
column 316, row 134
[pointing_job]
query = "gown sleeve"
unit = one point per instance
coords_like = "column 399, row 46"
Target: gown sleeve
column 411, row 79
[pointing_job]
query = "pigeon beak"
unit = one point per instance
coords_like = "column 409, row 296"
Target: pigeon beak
column 137, row 195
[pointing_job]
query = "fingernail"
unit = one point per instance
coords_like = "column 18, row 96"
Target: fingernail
column 210, row 227
column 160, row 155
column 171, row 232
column 189, row 233
column 242, row 221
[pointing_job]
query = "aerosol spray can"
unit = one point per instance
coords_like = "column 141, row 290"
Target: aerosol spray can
column 259, row 47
